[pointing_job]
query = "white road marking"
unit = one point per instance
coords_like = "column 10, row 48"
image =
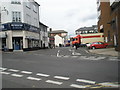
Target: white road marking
column 73, row 53
column 5, row 73
column 77, row 54
column 16, row 75
column 58, row 53
column 83, row 57
column 33, row 78
column 43, row 75
column 86, row 51
column 3, row 68
column 74, row 56
column 77, row 86
column 86, row 81
column 26, row 72
column 54, row 82
column 13, row 70
column 92, row 58
column 101, row 58
column 63, row 78
column 108, row 84
column 112, row 59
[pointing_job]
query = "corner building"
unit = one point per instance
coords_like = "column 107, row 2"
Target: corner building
column 20, row 24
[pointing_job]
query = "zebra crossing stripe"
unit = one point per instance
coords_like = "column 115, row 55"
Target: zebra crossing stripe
column 33, row 78
column 44, row 75
column 6, row 73
column 3, row 68
column 16, row 75
column 77, row 86
column 61, row 77
column 13, row 70
column 26, row 72
column 54, row 82
column 86, row 81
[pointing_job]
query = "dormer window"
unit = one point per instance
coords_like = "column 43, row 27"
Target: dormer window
column 15, row 2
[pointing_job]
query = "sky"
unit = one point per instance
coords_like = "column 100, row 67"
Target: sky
column 68, row 15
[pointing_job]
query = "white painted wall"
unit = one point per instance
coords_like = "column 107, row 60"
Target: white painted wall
column 30, row 11
column 7, row 17
column 7, row 14
column 58, row 40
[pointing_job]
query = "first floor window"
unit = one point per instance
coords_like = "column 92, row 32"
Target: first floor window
column 16, row 16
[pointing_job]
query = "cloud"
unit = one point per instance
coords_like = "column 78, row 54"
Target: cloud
column 89, row 17
column 68, row 14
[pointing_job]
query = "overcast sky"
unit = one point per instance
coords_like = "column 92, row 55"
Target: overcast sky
column 68, row 15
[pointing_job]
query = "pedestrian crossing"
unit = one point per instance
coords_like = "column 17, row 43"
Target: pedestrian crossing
column 57, row 79
column 79, row 56
column 90, row 58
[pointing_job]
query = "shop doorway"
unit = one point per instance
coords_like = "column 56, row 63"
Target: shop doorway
column 17, row 43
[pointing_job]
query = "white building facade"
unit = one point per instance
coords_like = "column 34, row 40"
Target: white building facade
column 44, row 40
column 20, row 25
column 60, row 37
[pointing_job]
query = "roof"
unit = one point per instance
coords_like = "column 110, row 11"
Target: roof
column 42, row 24
column 58, row 31
column 35, row 2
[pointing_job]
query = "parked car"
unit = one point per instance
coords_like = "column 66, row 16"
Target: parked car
column 95, row 45
column 88, row 44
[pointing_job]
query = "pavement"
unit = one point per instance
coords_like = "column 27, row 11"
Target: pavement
column 106, row 51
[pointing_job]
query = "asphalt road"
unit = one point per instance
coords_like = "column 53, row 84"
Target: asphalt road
column 59, row 68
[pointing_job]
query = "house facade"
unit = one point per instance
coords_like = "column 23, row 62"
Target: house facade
column 44, row 40
column 60, row 37
column 109, row 22
column 21, row 29
column 87, row 30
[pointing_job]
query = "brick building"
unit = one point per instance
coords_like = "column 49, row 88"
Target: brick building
column 109, row 22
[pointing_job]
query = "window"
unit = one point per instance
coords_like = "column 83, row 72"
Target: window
column 96, row 43
column 28, row 4
column 16, row 16
column 35, row 21
column 28, row 18
column 15, row 2
column 108, row 36
column 100, row 42
column 34, row 8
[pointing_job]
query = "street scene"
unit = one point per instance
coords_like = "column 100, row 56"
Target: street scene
column 53, row 44
column 59, row 68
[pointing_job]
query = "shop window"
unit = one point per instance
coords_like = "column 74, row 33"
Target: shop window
column 3, row 42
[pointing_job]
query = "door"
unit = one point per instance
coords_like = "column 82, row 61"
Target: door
column 17, row 43
column 101, row 45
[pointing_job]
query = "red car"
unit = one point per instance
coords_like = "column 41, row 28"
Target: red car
column 95, row 45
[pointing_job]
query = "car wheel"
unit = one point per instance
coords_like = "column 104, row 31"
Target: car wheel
column 93, row 47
